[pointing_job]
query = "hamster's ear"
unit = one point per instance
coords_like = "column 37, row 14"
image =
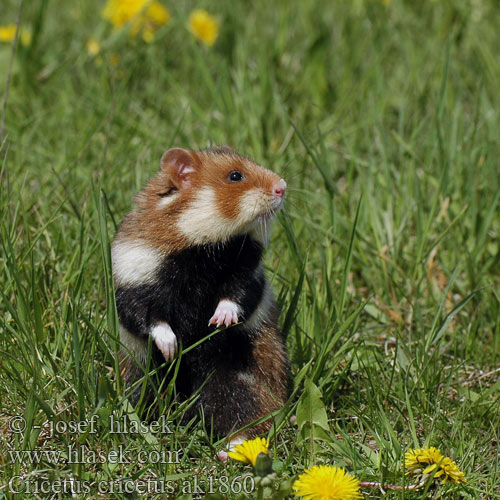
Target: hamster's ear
column 180, row 164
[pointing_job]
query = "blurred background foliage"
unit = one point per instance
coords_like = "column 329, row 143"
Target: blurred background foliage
column 383, row 117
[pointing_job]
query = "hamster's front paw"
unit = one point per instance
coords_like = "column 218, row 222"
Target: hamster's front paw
column 165, row 340
column 222, row 455
column 226, row 313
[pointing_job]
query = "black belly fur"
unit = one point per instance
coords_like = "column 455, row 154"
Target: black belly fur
column 185, row 294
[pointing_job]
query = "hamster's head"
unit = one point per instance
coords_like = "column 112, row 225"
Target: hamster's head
column 209, row 196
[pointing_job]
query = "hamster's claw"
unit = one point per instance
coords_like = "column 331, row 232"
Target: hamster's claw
column 226, row 314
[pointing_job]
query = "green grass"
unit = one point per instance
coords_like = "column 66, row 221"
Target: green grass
column 383, row 120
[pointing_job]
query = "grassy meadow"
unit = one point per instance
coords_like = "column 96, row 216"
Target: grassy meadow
column 384, row 119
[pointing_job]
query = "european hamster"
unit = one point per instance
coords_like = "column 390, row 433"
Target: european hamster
column 186, row 261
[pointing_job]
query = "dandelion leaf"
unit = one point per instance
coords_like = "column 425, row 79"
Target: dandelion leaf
column 312, row 419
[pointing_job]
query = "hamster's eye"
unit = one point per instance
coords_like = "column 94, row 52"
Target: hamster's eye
column 168, row 192
column 235, row 176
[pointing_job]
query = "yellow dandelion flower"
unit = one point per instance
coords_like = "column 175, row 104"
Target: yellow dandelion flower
column 120, row 12
column 326, row 482
column 158, row 14
column 431, row 461
column 203, row 26
column 8, row 32
column 145, row 17
column 93, row 46
column 155, row 16
column 248, row 451
column 415, row 459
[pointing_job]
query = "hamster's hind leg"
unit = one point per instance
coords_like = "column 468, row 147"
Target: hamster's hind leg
column 250, row 381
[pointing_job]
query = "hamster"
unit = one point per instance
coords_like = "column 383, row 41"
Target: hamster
column 186, row 261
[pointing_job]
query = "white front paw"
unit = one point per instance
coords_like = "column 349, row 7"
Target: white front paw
column 165, row 340
column 231, row 445
column 226, row 313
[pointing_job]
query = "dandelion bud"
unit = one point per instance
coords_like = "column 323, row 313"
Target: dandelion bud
column 263, row 465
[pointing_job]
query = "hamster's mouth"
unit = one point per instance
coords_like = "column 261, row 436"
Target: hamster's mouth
column 271, row 211
column 277, row 203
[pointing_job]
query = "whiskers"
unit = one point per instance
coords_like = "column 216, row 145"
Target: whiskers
column 264, row 220
column 246, row 232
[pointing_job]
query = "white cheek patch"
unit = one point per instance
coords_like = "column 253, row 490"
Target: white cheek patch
column 165, row 340
column 134, row 263
column 252, row 204
column 202, row 223
column 255, row 209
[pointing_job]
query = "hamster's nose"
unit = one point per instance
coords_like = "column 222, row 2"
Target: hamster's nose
column 279, row 188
